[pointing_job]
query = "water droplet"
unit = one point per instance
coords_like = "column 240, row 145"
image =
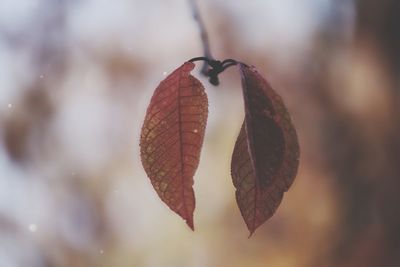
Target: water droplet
column 195, row 130
column 9, row 105
column 41, row 76
column 101, row 251
column 165, row 73
column 33, row 227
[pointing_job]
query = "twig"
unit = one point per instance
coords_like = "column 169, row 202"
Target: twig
column 211, row 67
column 203, row 35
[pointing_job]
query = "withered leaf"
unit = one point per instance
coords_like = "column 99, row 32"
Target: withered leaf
column 171, row 139
column 266, row 154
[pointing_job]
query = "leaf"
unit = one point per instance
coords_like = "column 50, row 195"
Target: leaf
column 266, row 154
column 171, row 139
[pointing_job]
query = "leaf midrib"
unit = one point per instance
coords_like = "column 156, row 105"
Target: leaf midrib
column 181, row 147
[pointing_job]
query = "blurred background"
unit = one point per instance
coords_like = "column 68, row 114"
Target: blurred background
column 76, row 77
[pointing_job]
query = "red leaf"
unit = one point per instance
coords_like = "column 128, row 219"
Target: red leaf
column 171, row 139
column 266, row 154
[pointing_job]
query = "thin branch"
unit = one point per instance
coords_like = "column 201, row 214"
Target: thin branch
column 211, row 67
column 203, row 35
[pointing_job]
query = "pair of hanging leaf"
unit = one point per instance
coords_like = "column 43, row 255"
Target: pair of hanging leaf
column 265, row 157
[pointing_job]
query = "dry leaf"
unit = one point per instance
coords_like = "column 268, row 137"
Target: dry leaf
column 266, row 154
column 171, row 139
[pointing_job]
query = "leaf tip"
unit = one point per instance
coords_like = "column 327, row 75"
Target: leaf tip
column 251, row 233
column 189, row 222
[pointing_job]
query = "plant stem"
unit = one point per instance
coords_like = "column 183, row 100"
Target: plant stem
column 203, row 35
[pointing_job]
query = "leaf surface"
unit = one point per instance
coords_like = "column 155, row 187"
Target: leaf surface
column 171, row 139
column 266, row 154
